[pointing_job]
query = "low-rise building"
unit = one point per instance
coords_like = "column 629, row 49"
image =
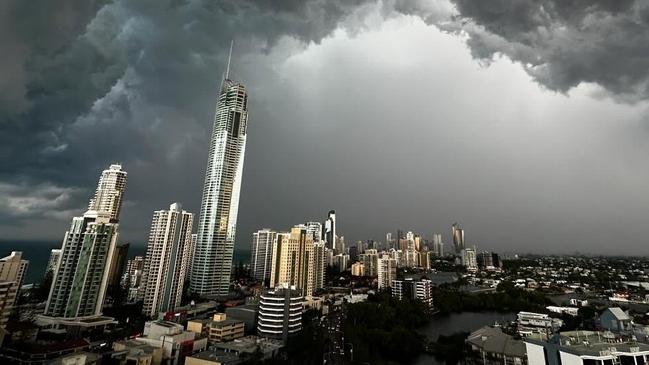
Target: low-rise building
column 585, row 348
column 223, row 329
column 211, row 357
column 245, row 347
column 175, row 342
column 615, row 320
column 246, row 313
column 137, row 352
column 493, row 346
column 530, row 323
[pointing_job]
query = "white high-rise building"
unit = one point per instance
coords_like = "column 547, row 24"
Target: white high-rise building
column 329, row 231
column 80, row 279
column 470, row 259
column 261, row 253
column 165, row 263
column 314, row 229
column 438, row 245
column 217, row 222
column 386, row 271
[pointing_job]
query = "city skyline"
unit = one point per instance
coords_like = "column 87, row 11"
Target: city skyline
column 530, row 151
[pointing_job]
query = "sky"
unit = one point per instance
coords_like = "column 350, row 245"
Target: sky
column 524, row 121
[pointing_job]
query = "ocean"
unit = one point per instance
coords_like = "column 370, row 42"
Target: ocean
column 38, row 253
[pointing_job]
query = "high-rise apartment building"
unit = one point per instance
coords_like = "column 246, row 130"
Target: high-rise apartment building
column 293, row 260
column 81, row 278
column 413, row 289
column 329, row 231
column 12, row 272
column 261, row 253
column 458, row 238
column 370, row 261
column 55, row 256
column 217, row 223
column 319, row 265
column 469, row 259
column 165, row 263
column 315, row 229
column 118, row 266
column 386, row 271
column 438, row 245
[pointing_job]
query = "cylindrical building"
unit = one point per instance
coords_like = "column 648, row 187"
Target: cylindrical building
column 280, row 313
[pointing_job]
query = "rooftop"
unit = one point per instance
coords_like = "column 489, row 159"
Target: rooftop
column 592, row 343
column 493, row 340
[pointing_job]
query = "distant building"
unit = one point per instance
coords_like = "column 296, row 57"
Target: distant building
column 457, row 234
column 438, row 245
column 118, row 266
column 261, row 253
column 12, row 272
column 280, row 313
column 319, row 264
column 314, row 229
column 424, row 259
column 165, row 264
column 370, row 261
column 413, row 289
column 340, row 262
column 469, row 259
column 386, row 271
column 329, row 231
column 357, row 269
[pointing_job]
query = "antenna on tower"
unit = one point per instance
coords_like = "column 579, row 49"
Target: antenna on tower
column 227, row 70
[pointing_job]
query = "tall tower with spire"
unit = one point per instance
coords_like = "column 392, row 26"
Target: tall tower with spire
column 217, row 223
column 80, row 280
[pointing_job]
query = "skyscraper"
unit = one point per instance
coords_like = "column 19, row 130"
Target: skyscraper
column 217, row 221
column 293, row 260
column 329, row 230
column 315, row 229
column 55, row 256
column 117, row 266
column 458, row 237
column 438, row 245
column 386, row 271
column 165, row 263
column 319, row 264
column 80, row 280
column 261, row 253
column 12, row 272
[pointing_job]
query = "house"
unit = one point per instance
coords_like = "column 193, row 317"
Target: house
column 615, row 320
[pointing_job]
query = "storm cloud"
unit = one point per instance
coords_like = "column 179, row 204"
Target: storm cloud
column 375, row 109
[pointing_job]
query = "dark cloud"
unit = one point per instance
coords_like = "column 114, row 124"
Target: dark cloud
column 135, row 81
column 564, row 43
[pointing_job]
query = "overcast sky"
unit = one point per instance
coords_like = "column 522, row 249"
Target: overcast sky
column 524, row 121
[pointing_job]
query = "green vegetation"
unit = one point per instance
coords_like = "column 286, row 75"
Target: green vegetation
column 507, row 298
column 449, row 349
column 382, row 330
